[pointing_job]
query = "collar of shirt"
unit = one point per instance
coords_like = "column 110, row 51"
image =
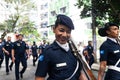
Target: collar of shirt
column 64, row 46
column 113, row 39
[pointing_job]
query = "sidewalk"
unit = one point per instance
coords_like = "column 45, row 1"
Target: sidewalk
column 95, row 66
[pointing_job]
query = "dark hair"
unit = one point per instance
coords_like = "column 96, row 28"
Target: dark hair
column 89, row 41
column 102, row 31
column 20, row 35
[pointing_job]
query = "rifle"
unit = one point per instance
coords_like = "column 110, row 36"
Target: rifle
column 86, row 69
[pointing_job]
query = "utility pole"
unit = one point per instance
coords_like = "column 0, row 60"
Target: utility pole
column 94, row 29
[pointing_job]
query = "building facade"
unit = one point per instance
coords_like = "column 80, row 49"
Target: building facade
column 57, row 7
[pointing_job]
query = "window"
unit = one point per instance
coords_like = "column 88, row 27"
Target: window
column 45, row 33
column 44, row 15
column 44, row 6
column 44, row 24
column 63, row 10
column 53, row 13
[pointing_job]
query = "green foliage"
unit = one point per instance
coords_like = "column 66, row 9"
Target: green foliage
column 18, row 16
column 28, row 28
column 102, row 10
column 2, row 26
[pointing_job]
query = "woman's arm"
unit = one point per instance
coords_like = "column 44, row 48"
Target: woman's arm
column 39, row 78
column 82, row 76
column 101, row 71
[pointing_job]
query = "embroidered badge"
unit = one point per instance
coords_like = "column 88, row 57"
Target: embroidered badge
column 102, row 52
column 41, row 58
column 18, row 44
column 7, row 44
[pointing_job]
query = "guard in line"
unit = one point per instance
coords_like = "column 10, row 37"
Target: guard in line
column 1, row 53
column 90, row 53
column 57, row 59
column 42, row 46
column 8, row 54
column 34, row 53
column 109, row 52
column 19, row 56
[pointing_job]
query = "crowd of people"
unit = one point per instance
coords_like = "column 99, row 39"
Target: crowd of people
column 19, row 51
column 57, row 60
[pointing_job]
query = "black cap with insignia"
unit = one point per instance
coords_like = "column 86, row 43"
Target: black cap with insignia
column 64, row 20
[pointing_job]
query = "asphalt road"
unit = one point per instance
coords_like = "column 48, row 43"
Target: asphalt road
column 29, row 73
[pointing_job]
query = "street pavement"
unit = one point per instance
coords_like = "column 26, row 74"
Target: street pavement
column 95, row 68
column 29, row 73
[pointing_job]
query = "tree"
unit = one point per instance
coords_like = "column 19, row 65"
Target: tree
column 104, row 10
column 18, row 16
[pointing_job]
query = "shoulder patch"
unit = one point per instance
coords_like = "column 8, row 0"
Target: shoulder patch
column 41, row 58
column 102, row 52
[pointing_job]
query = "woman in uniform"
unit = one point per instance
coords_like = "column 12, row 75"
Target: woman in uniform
column 57, row 59
column 1, row 52
column 109, row 53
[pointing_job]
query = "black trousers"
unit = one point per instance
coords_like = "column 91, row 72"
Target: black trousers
column 112, row 75
column 1, row 59
column 7, row 58
column 35, row 57
column 23, row 61
column 91, row 61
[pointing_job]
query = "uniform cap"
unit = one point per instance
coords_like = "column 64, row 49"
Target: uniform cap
column 64, row 20
column 102, row 31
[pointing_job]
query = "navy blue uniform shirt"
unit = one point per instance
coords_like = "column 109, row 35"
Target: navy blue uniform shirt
column 34, row 49
column 89, row 48
column 1, row 51
column 58, row 63
column 20, row 48
column 42, row 47
column 8, row 46
column 110, row 52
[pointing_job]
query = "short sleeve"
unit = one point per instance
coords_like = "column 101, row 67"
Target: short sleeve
column 42, row 67
column 103, row 53
column 3, row 45
column 13, row 45
column 27, row 47
column 40, row 47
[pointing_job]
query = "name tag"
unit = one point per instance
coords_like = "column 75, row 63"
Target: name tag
column 61, row 64
column 116, row 51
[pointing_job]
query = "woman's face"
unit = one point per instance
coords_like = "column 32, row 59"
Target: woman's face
column 0, row 40
column 62, row 33
column 113, row 32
